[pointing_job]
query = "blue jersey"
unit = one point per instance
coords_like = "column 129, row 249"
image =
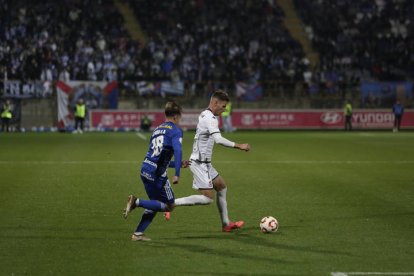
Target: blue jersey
column 398, row 109
column 165, row 143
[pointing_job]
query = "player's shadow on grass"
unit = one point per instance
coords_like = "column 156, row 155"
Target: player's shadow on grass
column 214, row 251
column 248, row 235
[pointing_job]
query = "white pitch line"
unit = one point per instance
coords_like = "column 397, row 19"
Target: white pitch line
column 142, row 136
column 371, row 273
column 85, row 162
column 65, row 162
column 318, row 162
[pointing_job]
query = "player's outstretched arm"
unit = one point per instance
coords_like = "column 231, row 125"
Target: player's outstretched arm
column 227, row 143
column 245, row 147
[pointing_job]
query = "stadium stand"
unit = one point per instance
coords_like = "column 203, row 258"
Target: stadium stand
column 372, row 39
column 219, row 40
column 203, row 43
column 88, row 41
column 80, row 40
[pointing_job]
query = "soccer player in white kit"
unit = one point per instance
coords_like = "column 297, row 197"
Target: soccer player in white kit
column 205, row 176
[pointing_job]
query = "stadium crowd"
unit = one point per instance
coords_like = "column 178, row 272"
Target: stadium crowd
column 371, row 39
column 77, row 40
column 200, row 41
column 219, row 40
column 189, row 40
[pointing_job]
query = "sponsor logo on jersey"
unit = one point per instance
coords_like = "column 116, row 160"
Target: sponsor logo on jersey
column 147, row 176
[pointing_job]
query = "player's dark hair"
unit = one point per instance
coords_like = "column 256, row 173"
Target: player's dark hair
column 221, row 95
column 172, row 109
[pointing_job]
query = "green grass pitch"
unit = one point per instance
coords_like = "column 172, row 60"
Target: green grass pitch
column 344, row 201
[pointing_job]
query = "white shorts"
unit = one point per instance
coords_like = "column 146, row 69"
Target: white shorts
column 203, row 175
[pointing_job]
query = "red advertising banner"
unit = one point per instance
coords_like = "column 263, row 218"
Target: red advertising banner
column 260, row 119
column 132, row 119
column 317, row 119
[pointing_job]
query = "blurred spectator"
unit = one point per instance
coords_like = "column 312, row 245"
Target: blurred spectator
column 80, row 115
column 146, row 123
column 348, row 115
column 6, row 116
column 398, row 110
column 226, row 115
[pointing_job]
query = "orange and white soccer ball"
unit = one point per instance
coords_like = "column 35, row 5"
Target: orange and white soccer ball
column 269, row 224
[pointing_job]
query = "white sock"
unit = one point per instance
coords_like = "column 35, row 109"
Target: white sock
column 222, row 206
column 193, row 200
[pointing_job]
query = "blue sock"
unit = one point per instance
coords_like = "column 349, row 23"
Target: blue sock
column 153, row 205
column 146, row 220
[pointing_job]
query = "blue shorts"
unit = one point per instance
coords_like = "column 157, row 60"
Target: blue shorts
column 157, row 188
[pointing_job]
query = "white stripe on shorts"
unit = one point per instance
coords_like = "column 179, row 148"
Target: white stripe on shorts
column 168, row 190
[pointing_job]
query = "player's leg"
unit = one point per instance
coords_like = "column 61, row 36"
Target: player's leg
column 146, row 220
column 221, row 188
column 169, row 198
column 151, row 204
column 155, row 189
column 160, row 193
column 202, row 182
column 205, row 198
column 161, row 198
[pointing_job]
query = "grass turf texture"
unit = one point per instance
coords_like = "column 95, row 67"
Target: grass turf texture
column 344, row 201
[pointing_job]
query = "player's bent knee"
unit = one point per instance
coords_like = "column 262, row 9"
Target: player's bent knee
column 220, row 187
column 169, row 207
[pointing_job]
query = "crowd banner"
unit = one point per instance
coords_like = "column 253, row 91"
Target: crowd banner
column 17, row 89
column 249, row 91
column 96, row 95
column 65, row 117
column 260, row 119
column 163, row 88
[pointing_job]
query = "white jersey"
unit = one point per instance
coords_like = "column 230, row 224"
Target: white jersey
column 207, row 134
column 203, row 141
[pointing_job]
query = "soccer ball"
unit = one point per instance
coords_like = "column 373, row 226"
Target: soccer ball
column 269, row 224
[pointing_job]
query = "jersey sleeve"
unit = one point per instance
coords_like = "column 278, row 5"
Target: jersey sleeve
column 222, row 141
column 178, row 153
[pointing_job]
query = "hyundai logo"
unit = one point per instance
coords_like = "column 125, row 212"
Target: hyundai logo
column 331, row 118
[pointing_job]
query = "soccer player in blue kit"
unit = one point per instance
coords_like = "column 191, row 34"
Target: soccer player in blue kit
column 165, row 142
